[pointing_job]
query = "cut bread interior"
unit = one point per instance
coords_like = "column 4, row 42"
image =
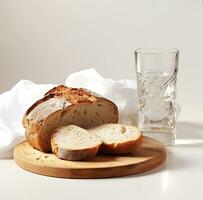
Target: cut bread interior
column 74, row 143
column 118, row 138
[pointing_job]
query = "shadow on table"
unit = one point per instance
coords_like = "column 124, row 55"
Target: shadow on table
column 189, row 134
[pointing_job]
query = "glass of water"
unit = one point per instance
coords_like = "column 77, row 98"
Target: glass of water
column 156, row 85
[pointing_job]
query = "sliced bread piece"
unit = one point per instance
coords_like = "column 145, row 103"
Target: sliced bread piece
column 118, row 138
column 74, row 143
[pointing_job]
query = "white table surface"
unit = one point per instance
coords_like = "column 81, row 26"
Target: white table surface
column 181, row 177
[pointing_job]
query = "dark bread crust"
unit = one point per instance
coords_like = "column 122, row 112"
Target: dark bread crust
column 122, row 148
column 73, row 95
column 35, row 130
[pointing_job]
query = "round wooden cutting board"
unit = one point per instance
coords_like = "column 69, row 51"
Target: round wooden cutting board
column 149, row 156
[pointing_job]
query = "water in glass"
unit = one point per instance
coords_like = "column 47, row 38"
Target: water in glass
column 157, row 104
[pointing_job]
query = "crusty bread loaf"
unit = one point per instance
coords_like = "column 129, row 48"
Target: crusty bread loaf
column 74, row 143
column 63, row 106
column 118, row 138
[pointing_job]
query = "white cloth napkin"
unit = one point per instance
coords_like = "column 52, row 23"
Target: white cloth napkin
column 13, row 105
column 15, row 102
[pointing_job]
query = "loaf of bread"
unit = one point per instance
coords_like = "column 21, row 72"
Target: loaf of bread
column 118, row 138
column 74, row 143
column 64, row 106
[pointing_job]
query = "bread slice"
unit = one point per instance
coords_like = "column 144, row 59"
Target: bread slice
column 63, row 106
column 118, row 138
column 74, row 143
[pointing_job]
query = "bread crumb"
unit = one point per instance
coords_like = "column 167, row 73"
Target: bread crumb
column 38, row 158
column 123, row 129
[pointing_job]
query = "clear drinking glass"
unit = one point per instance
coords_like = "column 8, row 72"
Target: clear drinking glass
column 156, row 85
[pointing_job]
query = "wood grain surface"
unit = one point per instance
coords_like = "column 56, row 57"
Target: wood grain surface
column 149, row 156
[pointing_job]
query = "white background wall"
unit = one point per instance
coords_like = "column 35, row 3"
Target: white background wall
column 45, row 40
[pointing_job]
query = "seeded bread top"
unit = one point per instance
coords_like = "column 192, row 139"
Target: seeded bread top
column 71, row 95
column 74, row 95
